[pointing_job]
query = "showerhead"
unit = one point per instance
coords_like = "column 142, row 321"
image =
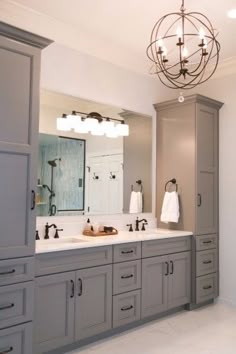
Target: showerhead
column 53, row 162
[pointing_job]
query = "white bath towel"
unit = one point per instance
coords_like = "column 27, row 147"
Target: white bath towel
column 170, row 207
column 136, row 202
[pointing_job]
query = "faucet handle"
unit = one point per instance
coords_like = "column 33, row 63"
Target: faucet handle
column 56, row 233
column 143, row 226
column 130, row 227
column 37, row 235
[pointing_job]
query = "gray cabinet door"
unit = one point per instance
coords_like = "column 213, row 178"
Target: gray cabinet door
column 207, row 170
column 93, row 313
column 179, row 279
column 54, row 311
column 19, row 95
column 154, row 285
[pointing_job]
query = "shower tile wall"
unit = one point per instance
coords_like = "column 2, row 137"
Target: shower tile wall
column 68, row 175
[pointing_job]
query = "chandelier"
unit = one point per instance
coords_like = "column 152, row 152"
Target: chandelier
column 93, row 123
column 184, row 49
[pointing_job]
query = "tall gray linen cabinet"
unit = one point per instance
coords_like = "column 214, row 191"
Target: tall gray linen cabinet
column 19, row 110
column 187, row 150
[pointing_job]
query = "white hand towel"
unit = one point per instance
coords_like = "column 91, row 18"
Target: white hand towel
column 136, row 202
column 170, row 207
column 140, row 202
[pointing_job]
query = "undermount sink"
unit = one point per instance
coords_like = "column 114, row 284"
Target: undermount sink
column 60, row 241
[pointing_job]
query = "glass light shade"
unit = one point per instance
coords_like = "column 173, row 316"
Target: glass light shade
column 107, row 126
column 73, row 120
column 112, row 133
column 98, row 130
column 122, row 129
column 91, row 123
column 81, row 127
column 63, row 124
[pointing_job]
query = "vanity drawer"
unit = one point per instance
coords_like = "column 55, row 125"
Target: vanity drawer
column 126, row 308
column 166, row 246
column 56, row 262
column 205, row 242
column 207, row 287
column 126, row 276
column 206, row 262
column 16, row 270
column 16, row 304
column 17, row 339
column 126, row 252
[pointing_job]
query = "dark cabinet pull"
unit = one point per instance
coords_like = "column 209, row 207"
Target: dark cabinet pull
column 72, row 289
column 172, row 267
column 207, row 262
column 127, row 276
column 207, row 242
column 207, row 287
column 127, row 252
column 32, row 200
column 8, row 272
column 7, row 350
column 199, row 201
column 126, row 308
column 6, row 307
column 80, row 287
column 167, row 268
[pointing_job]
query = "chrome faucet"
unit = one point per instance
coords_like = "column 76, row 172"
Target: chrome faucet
column 47, row 227
column 137, row 221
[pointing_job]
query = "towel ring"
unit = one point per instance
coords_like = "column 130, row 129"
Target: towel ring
column 139, row 182
column 173, row 181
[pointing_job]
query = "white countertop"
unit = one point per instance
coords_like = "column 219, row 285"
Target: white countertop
column 80, row 241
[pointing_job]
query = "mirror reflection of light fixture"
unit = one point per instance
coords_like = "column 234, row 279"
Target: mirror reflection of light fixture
column 183, row 49
column 63, row 123
column 93, row 123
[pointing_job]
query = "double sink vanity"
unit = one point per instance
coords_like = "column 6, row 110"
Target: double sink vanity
column 86, row 286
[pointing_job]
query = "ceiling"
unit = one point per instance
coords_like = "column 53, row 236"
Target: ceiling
column 116, row 31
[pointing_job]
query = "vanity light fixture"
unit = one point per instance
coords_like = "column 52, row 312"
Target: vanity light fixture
column 93, row 123
column 183, row 49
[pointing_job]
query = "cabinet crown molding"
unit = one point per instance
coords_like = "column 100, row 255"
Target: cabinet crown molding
column 196, row 98
column 23, row 36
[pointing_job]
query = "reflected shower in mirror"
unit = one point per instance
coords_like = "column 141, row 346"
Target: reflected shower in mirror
column 86, row 174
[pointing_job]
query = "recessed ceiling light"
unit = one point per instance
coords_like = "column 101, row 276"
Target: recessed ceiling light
column 232, row 13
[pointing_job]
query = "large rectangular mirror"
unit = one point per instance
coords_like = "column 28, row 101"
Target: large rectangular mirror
column 86, row 174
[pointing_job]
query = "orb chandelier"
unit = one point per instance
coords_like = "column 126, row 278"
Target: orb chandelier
column 184, row 49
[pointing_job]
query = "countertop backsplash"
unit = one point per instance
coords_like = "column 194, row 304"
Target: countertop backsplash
column 74, row 225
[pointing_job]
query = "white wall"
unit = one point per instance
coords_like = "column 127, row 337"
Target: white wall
column 223, row 89
column 68, row 71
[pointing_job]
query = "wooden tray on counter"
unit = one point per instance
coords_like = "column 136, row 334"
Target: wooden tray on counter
column 100, row 233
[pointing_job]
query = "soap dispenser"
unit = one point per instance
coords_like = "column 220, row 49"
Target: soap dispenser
column 87, row 225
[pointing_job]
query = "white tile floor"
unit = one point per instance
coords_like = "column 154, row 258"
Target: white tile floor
column 209, row 330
